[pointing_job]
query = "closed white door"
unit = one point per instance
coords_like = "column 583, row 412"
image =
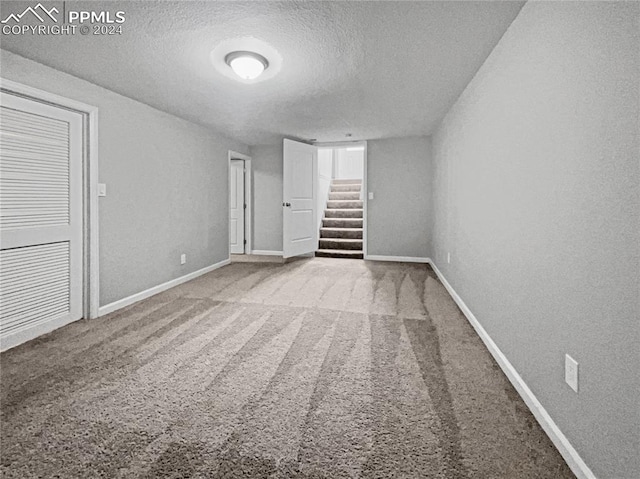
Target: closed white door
column 236, row 227
column 41, row 240
column 299, row 193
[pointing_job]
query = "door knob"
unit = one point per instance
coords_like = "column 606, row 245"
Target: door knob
column 286, row 204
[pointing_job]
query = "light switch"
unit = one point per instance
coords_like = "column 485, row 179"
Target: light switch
column 102, row 189
column 371, row 195
column 571, row 372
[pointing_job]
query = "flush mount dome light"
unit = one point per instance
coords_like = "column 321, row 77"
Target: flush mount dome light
column 231, row 56
column 247, row 65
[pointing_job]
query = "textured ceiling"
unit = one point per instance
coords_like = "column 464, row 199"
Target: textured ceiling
column 373, row 69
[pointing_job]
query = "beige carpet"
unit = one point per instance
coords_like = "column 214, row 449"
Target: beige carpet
column 320, row 368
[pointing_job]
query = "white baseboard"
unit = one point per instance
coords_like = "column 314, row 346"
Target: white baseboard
column 264, row 252
column 398, row 259
column 121, row 303
column 570, row 455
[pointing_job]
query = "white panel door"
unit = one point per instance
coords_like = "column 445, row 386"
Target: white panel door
column 41, row 241
column 299, row 193
column 236, row 227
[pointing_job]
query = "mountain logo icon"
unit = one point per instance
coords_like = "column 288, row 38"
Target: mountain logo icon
column 43, row 13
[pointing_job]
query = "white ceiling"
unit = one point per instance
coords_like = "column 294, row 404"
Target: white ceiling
column 373, row 69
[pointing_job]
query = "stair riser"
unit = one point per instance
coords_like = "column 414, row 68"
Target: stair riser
column 343, row 204
column 348, row 182
column 343, row 233
column 342, row 223
column 342, row 195
column 346, row 188
column 327, row 254
column 343, row 213
column 337, row 244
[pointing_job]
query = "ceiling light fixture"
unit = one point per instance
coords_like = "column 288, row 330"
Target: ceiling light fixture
column 247, row 65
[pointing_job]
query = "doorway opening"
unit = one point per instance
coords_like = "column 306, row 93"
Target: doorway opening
column 239, row 204
column 341, row 199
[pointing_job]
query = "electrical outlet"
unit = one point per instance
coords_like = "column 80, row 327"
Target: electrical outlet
column 448, row 258
column 371, row 195
column 183, row 258
column 571, row 372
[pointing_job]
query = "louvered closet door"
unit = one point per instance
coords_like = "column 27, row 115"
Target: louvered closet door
column 40, row 218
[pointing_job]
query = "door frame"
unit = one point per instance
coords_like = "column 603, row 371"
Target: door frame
column 248, row 199
column 365, row 194
column 90, row 246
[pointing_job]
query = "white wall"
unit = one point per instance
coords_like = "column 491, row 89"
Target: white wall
column 399, row 175
column 325, row 173
column 166, row 179
column 536, row 198
column 348, row 165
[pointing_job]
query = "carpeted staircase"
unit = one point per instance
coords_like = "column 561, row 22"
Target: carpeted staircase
column 341, row 231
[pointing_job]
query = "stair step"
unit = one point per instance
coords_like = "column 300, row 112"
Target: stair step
column 337, row 253
column 342, row 222
column 343, row 213
column 354, row 181
column 336, row 188
column 340, row 243
column 351, row 233
column 344, row 204
column 344, row 195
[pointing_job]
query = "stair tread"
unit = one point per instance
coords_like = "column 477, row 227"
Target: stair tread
column 338, row 228
column 354, row 213
column 343, row 240
column 351, row 222
column 344, row 195
column 344, row 209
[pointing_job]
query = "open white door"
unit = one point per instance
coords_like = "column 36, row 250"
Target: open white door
column 236, row 225
column 299, row 195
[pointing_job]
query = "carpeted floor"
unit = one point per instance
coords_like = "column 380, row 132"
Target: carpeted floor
column 320, row 368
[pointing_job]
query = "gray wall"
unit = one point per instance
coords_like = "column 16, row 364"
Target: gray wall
column 399, row 216
column 167, row 185
column 536, row 198
column 266, row 162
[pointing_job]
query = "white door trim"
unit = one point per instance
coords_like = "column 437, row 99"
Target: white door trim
column 365, row 194
column 248, row 198
column 91, row 285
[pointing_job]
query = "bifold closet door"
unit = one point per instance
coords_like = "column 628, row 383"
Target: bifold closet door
column 41, row 218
